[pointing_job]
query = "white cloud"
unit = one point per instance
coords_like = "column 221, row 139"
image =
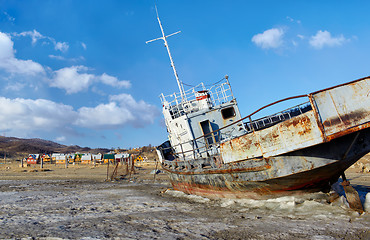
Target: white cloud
column 71, row 79
column 25, row 117
column 271, row 38
column 293, row 20
column 61, row 46
column 104, row 116
column 10, row 64
column 6, row 46
column 23, row 67
column 75, row 79
column 35, row 36
column 20, row 117
column 324, row 38
column 122, row 110
column 83, row 45
column 10, row 18
column 57, row 57
column 17, row 86
column 145, row 113
column 113, row 81
column 61, row 58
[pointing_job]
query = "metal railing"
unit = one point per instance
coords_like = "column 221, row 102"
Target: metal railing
column 201, row 146
column 273, row 119
column 219, row 93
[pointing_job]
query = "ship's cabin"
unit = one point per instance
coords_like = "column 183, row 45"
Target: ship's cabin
column 200, row 119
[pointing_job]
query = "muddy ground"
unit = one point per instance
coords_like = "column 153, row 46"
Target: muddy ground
column 78, row 203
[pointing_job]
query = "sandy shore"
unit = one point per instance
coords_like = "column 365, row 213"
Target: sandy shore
column 13, row 171
column 143, row 171
column 78, row 203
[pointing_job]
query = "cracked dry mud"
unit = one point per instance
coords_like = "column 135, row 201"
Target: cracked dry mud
column 43, row 208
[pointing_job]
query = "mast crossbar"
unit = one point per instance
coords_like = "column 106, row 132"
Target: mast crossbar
column 164, row 38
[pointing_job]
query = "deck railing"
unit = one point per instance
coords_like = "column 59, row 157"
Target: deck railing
column 202, row 147
column 219, row 93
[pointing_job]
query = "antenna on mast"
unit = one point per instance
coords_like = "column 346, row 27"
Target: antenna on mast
column 164, row 38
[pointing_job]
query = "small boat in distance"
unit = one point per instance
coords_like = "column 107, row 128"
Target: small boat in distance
column 213, row 151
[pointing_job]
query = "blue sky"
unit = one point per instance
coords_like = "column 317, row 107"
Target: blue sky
column 80, row 73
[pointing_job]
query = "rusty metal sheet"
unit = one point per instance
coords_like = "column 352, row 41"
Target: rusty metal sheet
column 296, row 133
column 240, row 148
column 344, row 107
column 341, row 110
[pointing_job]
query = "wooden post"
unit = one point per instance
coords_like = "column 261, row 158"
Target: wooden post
column 42, row 163
column 126, row 163
column 156, row 167
column 133, row 165
column 22, row 162
column 114, row 174
column 108, row 170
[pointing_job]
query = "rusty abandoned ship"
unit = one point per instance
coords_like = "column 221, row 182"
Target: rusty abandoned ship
column 213, row 152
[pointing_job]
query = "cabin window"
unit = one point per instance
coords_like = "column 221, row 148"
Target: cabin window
column 228, row 113
column 206, row 128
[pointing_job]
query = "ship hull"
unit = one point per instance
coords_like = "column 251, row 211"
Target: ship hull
column 310, row 169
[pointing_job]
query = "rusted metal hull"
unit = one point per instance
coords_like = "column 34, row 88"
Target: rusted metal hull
column 310, row 169
column 335, row 112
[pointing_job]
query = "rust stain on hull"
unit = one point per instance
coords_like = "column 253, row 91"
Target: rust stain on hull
column 348, row 131
column 293, row 134
column 221, row 171
column 313, row 180
column 346, row 119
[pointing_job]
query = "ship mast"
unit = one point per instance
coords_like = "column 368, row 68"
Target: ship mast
column 164, row 38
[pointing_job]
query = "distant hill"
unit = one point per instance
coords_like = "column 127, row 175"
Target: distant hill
column 17, row 148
